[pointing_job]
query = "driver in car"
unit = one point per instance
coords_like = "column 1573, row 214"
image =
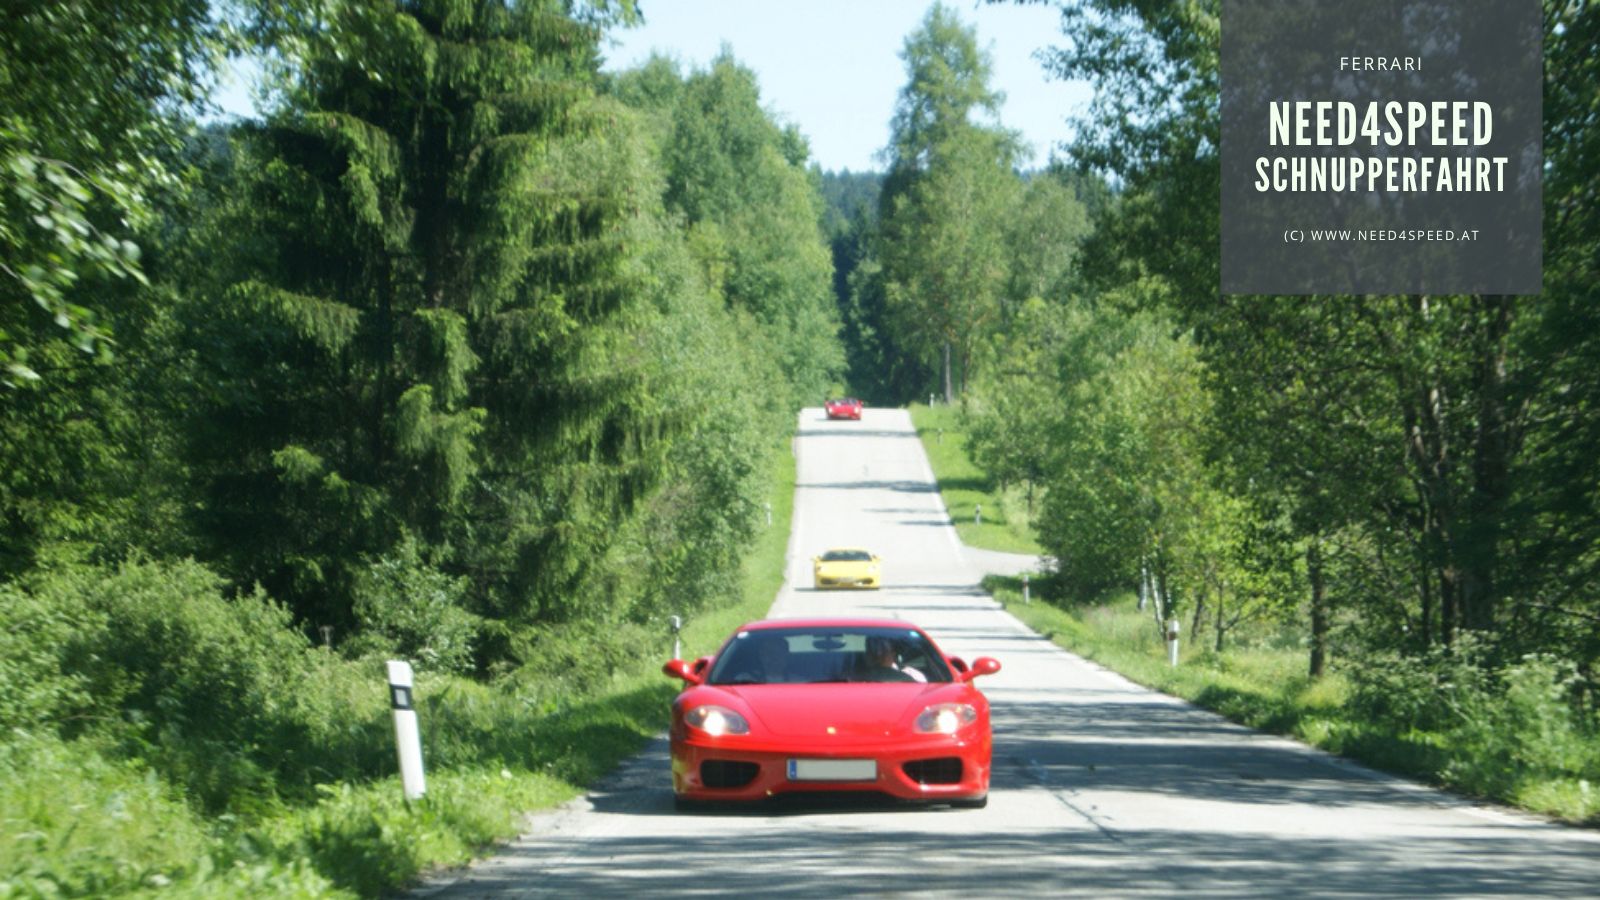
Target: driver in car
column 882, row 663
column 774, row 656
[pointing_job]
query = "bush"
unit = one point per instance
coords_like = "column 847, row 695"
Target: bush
column 410, row 610
column 221, row 696
column 574, row 659
column 43, row 689
column 1404, row 692
column 75, row 823
column 1501, row 727
column 1521, row 726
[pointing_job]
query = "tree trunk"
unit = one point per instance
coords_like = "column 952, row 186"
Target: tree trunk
column 1425, row 579
column 1164, row 602
column 1449, row 604
column 1479, row 557
column 1429, row 445
column 1319, row 609
column 1221, row 623
column 949, row 385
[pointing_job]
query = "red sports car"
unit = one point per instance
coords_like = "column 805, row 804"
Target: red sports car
column 865, row 705
column 848, row 408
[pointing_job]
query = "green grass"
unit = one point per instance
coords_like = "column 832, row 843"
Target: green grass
column 1532, row 752
column 569, row 750
column 965, row 488
column 1518, row 758
column 1263, row 687
column 81, row 818
column 1267, row 688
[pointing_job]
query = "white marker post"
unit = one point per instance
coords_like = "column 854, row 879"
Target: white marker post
column 676, row 624
column 977, row 513
column 1172, row 642
column 406, row 738
column 1025, row 596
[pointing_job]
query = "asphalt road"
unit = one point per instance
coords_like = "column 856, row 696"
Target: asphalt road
column 1100, row 788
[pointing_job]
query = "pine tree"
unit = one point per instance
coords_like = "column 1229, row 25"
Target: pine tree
column 427, row 330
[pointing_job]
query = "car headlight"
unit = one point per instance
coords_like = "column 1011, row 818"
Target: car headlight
column 716, row 720
column 946, row 718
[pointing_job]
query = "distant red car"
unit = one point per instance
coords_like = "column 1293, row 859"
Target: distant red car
column 848, row 408
column 863, row 705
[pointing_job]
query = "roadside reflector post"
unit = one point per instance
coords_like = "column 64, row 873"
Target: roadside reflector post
column 676, row 624
column 1172, row 642
column 769, row 512
column 930, row 399
column 977, row 513
column 1026, row 598
column 327, row 636
column 406, row 738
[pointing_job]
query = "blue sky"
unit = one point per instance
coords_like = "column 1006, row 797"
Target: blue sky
column 833, row 68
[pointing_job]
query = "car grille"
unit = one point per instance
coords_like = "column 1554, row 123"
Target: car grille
column 724, row 773
column 944, row 770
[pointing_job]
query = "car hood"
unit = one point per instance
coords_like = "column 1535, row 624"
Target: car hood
column 846, row 567
column 865, row 710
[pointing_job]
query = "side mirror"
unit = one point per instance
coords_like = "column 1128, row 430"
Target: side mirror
column 678, row 668
column 983, row 665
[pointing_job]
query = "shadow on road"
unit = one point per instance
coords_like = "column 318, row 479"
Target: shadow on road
column 953, row 852
column 1194, row 776
column 846, row 431
column 909, row 487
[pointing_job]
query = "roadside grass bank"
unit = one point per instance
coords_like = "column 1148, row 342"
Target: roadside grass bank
column 270, row 771
column 1507, row 734
column 1004, row 524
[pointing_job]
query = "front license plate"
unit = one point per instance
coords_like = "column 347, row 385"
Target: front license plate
column 833, row 770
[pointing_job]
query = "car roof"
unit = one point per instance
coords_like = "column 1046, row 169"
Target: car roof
column 765, row 624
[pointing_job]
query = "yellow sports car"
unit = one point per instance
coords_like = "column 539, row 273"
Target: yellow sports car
column 845, row 568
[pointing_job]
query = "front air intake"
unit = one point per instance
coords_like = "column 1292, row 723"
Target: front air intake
column 724, row 773
column 944, row 770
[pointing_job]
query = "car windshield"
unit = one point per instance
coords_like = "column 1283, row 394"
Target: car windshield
column 819, row 655
column 847, row 556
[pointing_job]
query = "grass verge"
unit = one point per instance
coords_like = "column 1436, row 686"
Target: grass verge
column 1260, row 686
column 580, row 744
column 1004, row 523
column 1522, row 747
column 85, row 817
column 1267, row 688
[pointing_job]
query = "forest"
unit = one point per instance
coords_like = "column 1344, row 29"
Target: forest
column 470, row 353
column 1401, row 490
